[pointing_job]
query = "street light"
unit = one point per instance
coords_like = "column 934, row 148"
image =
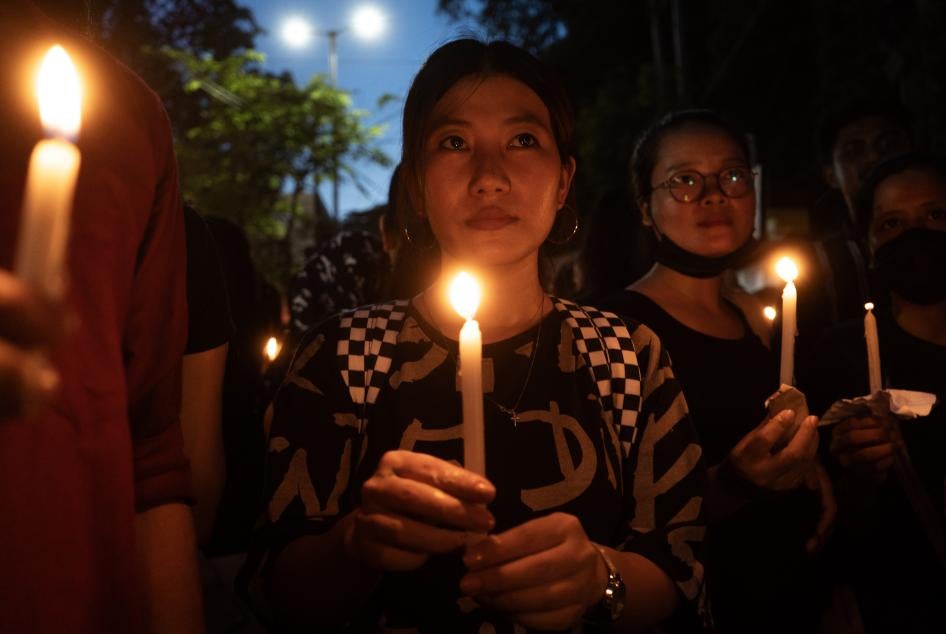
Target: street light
column 367, row 22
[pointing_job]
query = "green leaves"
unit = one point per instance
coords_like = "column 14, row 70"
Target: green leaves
column 262, row 144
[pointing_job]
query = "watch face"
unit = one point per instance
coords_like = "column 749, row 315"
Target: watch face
column 614, row 595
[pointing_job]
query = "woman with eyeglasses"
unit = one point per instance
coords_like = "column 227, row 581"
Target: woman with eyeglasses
column 694, row 188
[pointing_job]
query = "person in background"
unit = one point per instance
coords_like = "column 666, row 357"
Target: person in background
column 209, row 329
column 853, row 136
column 346, row 271
column 97, row 533
column 891, row 523
column 373, row 522
column 255, row 311
column 693, row 184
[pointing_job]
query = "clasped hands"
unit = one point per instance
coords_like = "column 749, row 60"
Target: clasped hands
column 544, row 573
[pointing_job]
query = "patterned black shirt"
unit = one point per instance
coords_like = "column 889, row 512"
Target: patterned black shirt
column 560, row 457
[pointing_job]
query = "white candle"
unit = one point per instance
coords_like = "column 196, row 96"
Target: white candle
column 50, row 183
column 465, row 297
column 873, row 348
column 788, row 271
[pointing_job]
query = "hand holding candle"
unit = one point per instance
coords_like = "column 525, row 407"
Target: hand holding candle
column 873, row 348
column 787, row 270
column 50, row 184
column 465, row 298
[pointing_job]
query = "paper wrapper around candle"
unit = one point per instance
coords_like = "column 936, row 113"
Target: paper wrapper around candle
column 787, row 397
column 902, row 404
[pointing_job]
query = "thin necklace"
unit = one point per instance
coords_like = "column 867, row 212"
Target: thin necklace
column 511, row 412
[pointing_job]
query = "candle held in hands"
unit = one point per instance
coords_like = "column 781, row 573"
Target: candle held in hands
column 50, row 183
column 873, row 348
column 465, row 298
column 787, row 270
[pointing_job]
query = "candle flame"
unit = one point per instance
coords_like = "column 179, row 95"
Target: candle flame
column 769, row 312
column 869, row 306
column 60, row 94
column 786, row 269
column 465, row 295
column 272, row 348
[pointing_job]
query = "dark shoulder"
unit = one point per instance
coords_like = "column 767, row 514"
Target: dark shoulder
column 632, row 304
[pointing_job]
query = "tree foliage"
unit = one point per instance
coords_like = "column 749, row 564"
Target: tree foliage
column 261, row 145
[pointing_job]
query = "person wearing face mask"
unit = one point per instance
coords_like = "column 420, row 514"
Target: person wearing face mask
column 853, row 136
column 694, row 188
column 901, row 585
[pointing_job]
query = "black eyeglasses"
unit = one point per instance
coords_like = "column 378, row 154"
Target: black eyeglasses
column 689, row 186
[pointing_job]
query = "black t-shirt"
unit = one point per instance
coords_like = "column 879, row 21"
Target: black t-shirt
column 208, row 310
column 879, row 545
column 755, row 558
column 562, row 456
column 726, row 381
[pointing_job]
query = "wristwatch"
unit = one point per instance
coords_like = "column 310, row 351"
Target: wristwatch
column 609, row 608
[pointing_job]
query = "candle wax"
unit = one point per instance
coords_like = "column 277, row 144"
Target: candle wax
column 44, row 224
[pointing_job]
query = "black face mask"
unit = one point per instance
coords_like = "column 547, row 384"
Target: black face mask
column 913, row 265
column 680, row 260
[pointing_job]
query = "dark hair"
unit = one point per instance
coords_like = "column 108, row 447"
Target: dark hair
column 647, row 146
column 913, row 162
column 847, row 112
column 454, row 62
column 392, row 219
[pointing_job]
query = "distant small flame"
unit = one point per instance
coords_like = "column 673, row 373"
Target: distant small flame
column 60, row 94
column 786, row 269
column 272, row 348
column 869, row 306
column 769, row 312
column 465, row 295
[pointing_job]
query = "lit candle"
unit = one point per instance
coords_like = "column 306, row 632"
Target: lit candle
column 769, row 313
column 465, row 297
column 873, row 348
column 50, row 183
column 787, row 270
column 271, row 349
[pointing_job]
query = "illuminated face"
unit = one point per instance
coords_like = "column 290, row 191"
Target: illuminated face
column 714, row 224
column 860, row 146
column 493, row 179
column 907, row 200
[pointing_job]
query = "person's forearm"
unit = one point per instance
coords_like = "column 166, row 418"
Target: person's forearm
column 315, row 582
column 651, row 597
column 167, row 567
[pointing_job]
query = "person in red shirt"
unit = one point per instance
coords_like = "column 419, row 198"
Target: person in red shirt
column 97, row 534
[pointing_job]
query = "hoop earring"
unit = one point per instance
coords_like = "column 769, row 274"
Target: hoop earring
column 560, row 236
column 422, row 243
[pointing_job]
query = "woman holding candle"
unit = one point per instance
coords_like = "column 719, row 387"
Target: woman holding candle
column 694, row 188
column 900, row 586
column 370, row 520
